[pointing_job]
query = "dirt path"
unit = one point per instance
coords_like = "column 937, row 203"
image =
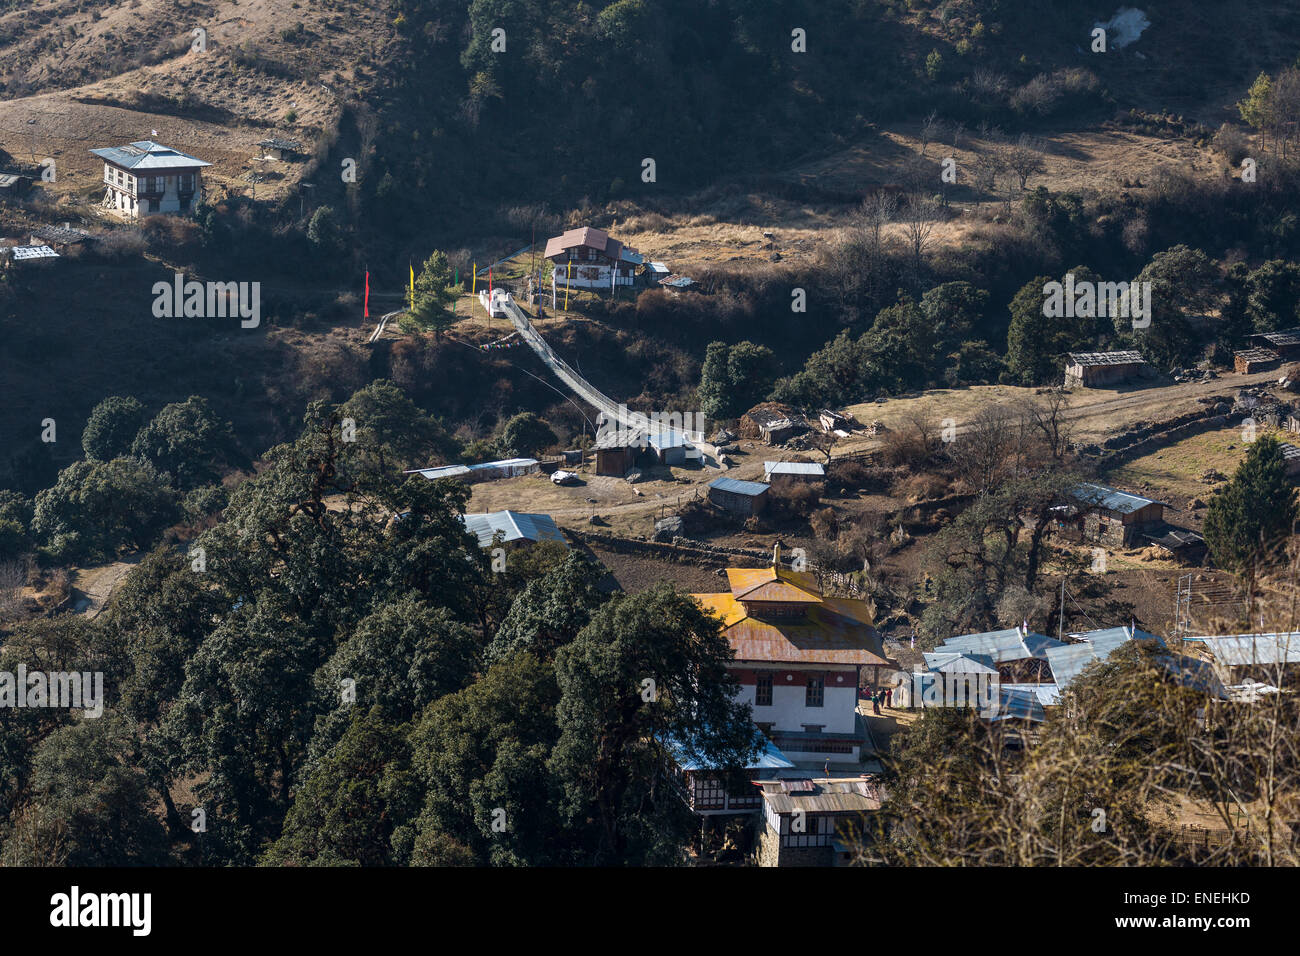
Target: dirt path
column 92, row 587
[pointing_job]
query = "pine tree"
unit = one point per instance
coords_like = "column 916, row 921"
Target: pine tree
column 1248, row 519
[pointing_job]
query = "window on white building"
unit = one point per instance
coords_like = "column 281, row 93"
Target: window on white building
column 763, row 691
column 815, row 692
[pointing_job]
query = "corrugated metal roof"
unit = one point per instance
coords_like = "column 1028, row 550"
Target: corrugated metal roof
column 1256, row 355
column 1111, row 499
column 793, row 468
column 738, row 487
column 505, row 463
column 666, row 438
column 147, row 154
column 512, row 526
column 1284, row 337
column 826, row 795
column 1006, row 645
column 830, row 631
column 769, row 758
column 22, row 253
column 446, row 471
column 954, row 662
column 1245, row 649
column 773, row 584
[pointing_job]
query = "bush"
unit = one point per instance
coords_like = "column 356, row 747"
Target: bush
column 794, row 499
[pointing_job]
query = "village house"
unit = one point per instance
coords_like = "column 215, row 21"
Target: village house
column 512, row 527
column 589, row 258
column 1114, row 518
column 1068, row 661
column 1262, row 660
column 800, row 657
column 772, row 423
column 1250, row 361
column 1092, row 369
column 739, row 497
column 797, row 472
column 145, row 178
column 815, row 821
column 1285, row 344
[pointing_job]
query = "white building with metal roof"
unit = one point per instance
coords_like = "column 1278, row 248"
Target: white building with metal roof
column 145, row 178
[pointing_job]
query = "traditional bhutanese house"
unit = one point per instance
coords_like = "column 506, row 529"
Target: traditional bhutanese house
column 1115, row 518
column 738, row 497
column 709, row 791
column 29, row 257
column 1269, row 659
column 802, row 472
column 799, row 657
column 1104, row 368
column 145, row 178
column 1186, row 547
column 1285, row 344
column 1250, row 361
column 285, row 150
column 772, row 422
column 815, row 821
column 510, row 527
column 1020, row 654
column 587, row 258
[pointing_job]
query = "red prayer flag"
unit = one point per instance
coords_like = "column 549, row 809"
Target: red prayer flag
column 367, row 315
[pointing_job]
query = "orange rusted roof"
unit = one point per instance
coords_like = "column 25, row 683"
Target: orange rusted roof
column 830, row 631
column 771, row 584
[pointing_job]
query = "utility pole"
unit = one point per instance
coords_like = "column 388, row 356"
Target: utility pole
column 1060, row 621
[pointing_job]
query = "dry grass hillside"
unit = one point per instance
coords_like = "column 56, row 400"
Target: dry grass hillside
column 76, row 77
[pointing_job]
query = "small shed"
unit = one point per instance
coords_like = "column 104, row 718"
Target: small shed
column 285, row 150
column 1104, row 368
column 805, row 472
column 61, row 238
column 1250, row 361
column 1187, row 547
column 618, row 449
column 669, row 446
column 30, row 257
column 506, row 468
column 738, row 497
column 1285, row 343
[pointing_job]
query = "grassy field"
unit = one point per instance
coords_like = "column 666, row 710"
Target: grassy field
column 1174, row 472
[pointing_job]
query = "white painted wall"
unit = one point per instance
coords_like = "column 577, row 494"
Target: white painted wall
column 788, row 710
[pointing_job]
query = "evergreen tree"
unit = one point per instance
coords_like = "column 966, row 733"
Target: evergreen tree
column 1248, row 519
